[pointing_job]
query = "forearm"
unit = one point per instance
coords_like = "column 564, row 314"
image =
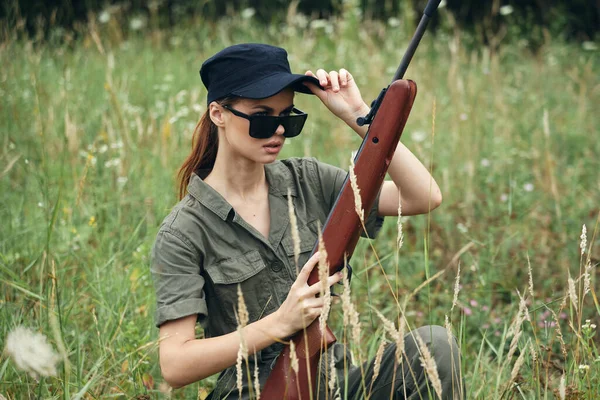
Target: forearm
column 197, row 359
column 419, row 191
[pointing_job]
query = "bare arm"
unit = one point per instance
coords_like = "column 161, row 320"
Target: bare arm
column 185, row 359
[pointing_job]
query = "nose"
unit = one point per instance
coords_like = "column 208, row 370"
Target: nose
column 280, row 130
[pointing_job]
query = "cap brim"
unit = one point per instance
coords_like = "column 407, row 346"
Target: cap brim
column 272, row 84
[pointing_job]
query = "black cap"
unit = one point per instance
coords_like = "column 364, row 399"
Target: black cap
column 250, row 70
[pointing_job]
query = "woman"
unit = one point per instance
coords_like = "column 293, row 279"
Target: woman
column 231, row 227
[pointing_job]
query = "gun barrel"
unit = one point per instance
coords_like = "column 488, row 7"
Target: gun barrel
column 432, row 5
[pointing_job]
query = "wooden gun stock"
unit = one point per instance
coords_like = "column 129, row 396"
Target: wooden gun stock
column 340, row 234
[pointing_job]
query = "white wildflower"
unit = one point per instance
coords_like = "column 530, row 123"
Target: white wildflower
column 506, row 10
column 528, row 187
column 104, row 17
column 248, row 13
column 418, row 136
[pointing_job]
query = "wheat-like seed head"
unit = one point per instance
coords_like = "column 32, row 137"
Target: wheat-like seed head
column 583, row 238
column 293, row 357
column 294, row 228
column 587, row 278
column 397, row 335
column 357, row 199
column 530, row 273
column 350, row 315
column 448, row 327
column 562, row 387
column 400, row 236
column 456, row 288
column 378, row 358
column 572, row 292
column 238, row 369
column 518, row 365
column 533, row 352
column 332, row 374
column 514, row 343
column 256, row 380
column 428, row 363
column 325, row 290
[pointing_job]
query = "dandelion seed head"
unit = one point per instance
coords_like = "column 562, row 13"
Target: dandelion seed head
column 31, row 352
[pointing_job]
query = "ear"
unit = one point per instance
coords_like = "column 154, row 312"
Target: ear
column 215, row 111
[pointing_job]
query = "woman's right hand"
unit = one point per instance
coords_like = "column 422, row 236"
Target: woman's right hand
column 302, row 306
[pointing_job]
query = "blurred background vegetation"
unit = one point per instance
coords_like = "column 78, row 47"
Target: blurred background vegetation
column 573, row 19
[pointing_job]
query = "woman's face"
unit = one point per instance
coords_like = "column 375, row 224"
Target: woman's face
column 234, row 131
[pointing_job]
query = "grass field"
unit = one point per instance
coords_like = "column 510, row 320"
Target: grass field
column 94, row 126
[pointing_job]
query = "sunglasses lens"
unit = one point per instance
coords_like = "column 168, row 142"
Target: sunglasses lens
column 263, row 127
column 293, row 125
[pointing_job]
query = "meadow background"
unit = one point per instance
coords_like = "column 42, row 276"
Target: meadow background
column 94, row 125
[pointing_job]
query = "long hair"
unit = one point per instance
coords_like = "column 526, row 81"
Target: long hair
column 205, row 143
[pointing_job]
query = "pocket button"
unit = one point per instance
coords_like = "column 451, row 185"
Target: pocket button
column 276, row 266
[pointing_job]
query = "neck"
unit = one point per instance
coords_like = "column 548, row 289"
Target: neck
column 236, row 177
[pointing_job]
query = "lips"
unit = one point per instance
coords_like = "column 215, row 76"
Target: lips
column 275, row 143
column 273, row 147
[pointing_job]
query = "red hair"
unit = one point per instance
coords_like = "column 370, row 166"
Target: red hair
column 205, row 143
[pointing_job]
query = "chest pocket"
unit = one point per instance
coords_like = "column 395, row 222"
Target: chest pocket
column 308, row 237
column 248, row 271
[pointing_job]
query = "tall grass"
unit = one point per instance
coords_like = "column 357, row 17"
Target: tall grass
column 94, row 126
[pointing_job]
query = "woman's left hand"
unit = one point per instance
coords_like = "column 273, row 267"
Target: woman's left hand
column 340, row 95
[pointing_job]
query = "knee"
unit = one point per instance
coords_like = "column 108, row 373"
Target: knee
column 442, row 345
column 433, row 334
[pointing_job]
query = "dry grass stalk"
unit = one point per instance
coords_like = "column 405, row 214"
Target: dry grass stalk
column 357, row 199
column 456, row 288
column 517, row 366
column 428, row 363
column 256, row 380
column 325, row 290
column 400, row 236
column 293, row 357
column 562, row 387
column 294, row 226
column 583, row 238
column 396, row 335
column 572, row 292
column 559, row 335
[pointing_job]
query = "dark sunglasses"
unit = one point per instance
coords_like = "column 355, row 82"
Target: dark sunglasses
column 264, row 126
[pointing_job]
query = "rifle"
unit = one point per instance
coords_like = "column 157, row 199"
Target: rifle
column 387, row 117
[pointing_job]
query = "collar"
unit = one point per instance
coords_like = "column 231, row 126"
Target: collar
column 279, row 179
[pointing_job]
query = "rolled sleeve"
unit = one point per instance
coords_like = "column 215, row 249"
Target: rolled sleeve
column 331, row 181
column 178, row 283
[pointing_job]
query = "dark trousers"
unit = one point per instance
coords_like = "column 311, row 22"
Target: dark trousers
column 409, row 380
